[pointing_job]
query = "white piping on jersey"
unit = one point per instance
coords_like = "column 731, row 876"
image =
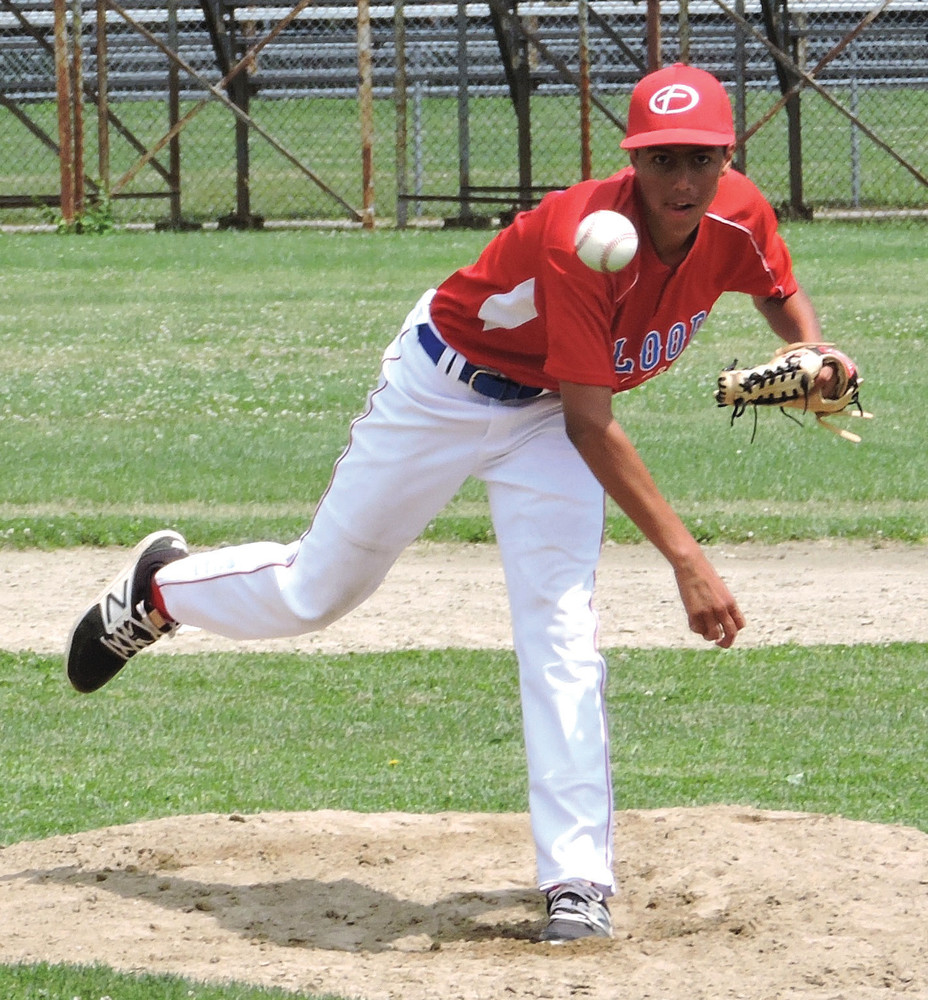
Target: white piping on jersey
column 630, row 287
column 757, row 250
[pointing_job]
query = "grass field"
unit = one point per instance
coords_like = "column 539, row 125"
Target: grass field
column 206, row 380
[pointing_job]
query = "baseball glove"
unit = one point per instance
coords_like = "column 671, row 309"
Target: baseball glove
column 789, row 380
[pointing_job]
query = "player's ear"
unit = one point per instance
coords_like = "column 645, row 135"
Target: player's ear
column 728, row 152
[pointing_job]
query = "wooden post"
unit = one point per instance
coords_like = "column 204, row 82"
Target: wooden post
column 654, row 35
column 103, row 116
column 520, row 50
column 173, row 118
column 794, row 122
column 741, row 152
column 463, row 102
column 683, row 22
column 239, row 89
column 77, row 105
column 63, row 92
column 399, row 104
column 586, row 153
column 366, row 105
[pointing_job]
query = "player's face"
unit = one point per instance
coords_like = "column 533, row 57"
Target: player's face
column 677, row 185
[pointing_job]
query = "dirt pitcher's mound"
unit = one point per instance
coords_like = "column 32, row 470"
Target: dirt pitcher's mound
column 716, row 903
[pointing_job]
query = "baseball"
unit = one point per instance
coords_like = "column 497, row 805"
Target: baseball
column 606, row 241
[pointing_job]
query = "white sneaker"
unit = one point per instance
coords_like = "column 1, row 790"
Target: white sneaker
column 576, row 909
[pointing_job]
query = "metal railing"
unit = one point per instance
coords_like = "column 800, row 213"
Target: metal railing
column 437, row 132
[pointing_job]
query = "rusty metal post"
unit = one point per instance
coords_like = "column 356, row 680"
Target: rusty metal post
column 400, row 106
column 77, row 104
column 366, row 108
column 654, row 35
column 586, row 153
column 63, row 92
column 103, row 115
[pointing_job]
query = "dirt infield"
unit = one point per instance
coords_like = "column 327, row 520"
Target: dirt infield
column 447, row 595
column 715, row 902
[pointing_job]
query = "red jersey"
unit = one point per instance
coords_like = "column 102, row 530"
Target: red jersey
column 531, row 309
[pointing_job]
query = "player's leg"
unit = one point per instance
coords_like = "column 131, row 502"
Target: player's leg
column 387, row 485
column 117, row 624
column 407, row 456
column 548, row 514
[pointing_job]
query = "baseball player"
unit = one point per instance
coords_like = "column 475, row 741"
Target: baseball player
column 506, row 372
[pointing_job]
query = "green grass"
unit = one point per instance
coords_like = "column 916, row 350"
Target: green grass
column 63, row 982
column 207, row 381
column 433, row 731
column 837, row 730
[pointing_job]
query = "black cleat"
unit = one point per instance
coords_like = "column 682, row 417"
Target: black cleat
column 119, row 624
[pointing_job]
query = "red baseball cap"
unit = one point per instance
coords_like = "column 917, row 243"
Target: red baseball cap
column 679, row 105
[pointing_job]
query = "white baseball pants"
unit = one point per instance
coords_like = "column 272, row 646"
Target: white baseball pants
column 422, row 434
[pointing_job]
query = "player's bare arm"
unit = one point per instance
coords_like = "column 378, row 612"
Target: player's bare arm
column 593, row 430
column 795, row 320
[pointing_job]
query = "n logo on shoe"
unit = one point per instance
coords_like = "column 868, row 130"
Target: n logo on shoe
column 116, row 605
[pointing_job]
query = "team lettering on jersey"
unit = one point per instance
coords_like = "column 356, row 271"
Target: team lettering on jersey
column 656, row 351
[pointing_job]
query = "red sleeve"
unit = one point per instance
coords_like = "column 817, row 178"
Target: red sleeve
column 758, row 261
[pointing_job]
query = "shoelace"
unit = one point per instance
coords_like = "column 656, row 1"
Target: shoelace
column 560, row 903
column 133, row 635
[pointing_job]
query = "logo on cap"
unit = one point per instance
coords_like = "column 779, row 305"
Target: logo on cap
column 673, row 99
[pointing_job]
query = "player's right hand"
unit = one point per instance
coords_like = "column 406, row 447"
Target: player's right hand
column 711, row 610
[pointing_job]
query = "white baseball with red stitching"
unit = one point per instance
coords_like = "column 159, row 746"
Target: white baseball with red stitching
column 606, row 241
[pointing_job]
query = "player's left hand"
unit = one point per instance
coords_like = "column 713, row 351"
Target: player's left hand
column 827, row 383
column 814, row 378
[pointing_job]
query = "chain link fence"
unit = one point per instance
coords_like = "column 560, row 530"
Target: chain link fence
column 181, row 113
